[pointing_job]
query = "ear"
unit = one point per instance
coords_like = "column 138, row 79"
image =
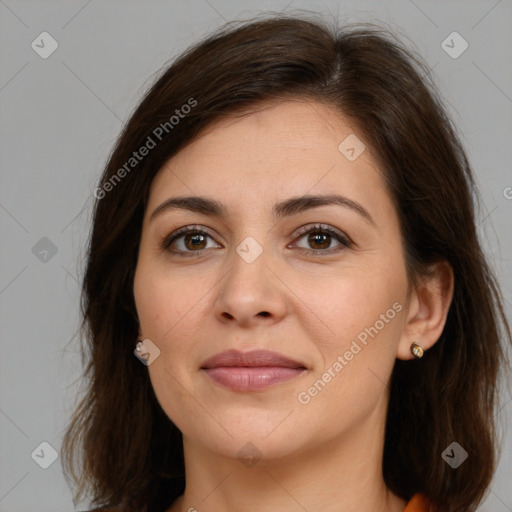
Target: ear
column 427, row 311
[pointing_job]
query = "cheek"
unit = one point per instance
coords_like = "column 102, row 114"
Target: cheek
column 358, row 300
column 161, row 301
column 172, row 307
column 366, row 313
column 148, row 301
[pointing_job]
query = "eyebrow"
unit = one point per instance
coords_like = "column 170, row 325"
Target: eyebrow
column 292, row 206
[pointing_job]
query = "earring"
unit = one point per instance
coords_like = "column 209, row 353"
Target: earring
column 417, row 350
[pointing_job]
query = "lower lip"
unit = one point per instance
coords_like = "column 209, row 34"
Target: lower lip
column 251, row 378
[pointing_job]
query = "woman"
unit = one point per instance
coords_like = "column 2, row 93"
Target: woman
column 284, row 236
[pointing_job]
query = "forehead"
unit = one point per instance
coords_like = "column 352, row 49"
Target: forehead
column 283, row 148
column 293, row 127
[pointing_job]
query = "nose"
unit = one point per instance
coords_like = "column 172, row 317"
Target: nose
column 251, row 293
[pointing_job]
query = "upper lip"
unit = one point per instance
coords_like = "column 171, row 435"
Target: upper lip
column 254, row 358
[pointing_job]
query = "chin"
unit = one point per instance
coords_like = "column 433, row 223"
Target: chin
column 252, row 448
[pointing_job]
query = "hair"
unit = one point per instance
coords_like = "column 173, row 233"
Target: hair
column 120, row 447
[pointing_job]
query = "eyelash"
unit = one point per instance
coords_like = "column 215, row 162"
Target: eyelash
column 317, row 229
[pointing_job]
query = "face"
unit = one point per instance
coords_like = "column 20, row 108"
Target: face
column 324, row 285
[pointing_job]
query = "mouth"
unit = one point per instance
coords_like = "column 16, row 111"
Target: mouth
column 251, row 371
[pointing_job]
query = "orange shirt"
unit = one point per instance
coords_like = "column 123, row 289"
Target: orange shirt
column 418, row 503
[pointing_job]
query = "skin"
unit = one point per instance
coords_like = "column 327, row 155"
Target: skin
column 326, row 454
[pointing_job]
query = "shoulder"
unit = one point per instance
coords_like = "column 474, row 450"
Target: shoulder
column 418, row 503
column 104, row 509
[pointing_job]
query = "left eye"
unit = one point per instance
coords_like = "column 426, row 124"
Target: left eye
column 193, row 240
column 321, row 237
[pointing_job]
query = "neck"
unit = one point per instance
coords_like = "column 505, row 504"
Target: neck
column 341, row 474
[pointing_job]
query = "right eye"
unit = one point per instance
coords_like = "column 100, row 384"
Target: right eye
column 189, row 239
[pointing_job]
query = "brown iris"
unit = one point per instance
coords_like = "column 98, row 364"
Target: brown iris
column 196, row 239
column 315, row 236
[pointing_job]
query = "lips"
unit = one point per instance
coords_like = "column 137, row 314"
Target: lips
column 255, row 358
column 251, row 371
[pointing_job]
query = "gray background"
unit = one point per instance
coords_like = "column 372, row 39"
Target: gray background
column 59, row 119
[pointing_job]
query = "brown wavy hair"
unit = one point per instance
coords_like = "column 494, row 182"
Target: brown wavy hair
column 120, row 448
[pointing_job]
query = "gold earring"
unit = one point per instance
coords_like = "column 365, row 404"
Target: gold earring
column 417, row 350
